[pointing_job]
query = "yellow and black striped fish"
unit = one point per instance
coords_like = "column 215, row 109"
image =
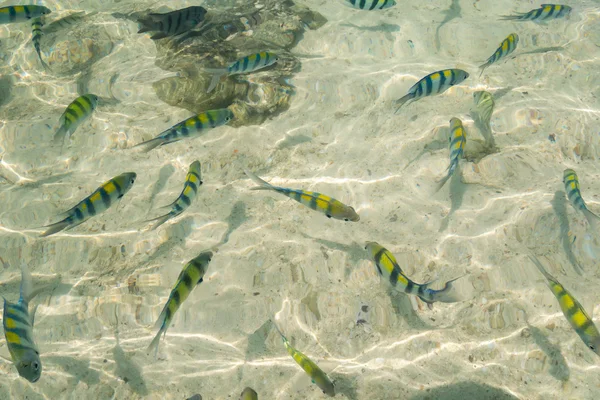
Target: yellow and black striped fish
column 545, row 12
column 191, row 276
column 249, row 394
column 371, row 4
column 78, row 111
column 573, row 311
column 18, row 330
column 99, row 201
column 457, row 139
column 193, row 180
column 190, row 127
column 434, row 83
column 36, row 38
column 507, row 46
column 21, row 13
column 244, row 65
column 388, row 268
column 574, row 194
column 317, row 375
column 484, row 106
column 331, row 207
column 172, row 23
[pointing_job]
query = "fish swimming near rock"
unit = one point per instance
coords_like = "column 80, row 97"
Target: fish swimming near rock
column 36, row 38
column 11, row 14
column 544, row 13
column 249, row 394
column 98, row 202
column 371, row 4
column 172, row 23
column 190, row 127
column 571, row 182
column 18, row 331
column 244, row 65
column 74, row 115
column 329, row 206
column 317, row 375
column 192, row 275
column 435, row 83
column 507, row 46
column 388, row 268
column 572, row 310
column 457, row 139
column 193, row 181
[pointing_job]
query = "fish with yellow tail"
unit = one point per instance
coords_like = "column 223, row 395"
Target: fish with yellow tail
column 192, row 275
column 329, row 206
column 18, row 331
column 507, row 46
column 388, row 268
column 574, row 194
column 12, row 14
column 573, row 311
column 317, row 375
column 435, row 83
column 244, row 65
column 544, row 13
column 74, row 115
column 99, row 201
column 249, row 394
column 189, row 128
column 193, row 180
column 457, row 139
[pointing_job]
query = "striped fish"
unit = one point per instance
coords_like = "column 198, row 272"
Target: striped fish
column 66, row 22
column 190, row 188
column 545, row 12
column 191, row 276
column 458, row 139
column 484, row 105
column 172, row 23
column 574, row 194
column 507, row 46
column 371, row 4
column 36, row 38
column 99, row 201
column 190, row 127
column 317, row 375
column 388, row 267
column 331, row 207
column 244, row 65
column 573, row 311
column 78, row 111
column 249, row 394
column 18, row 330
column 21, row 13
column 434, row 83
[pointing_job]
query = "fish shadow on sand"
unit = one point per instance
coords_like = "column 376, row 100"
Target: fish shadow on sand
column 79, row 368
column 163, row 177
column 355, row 251
column 457, row 194
column 451, row 13
column 344, row 385
column 125, row 368
column 6, row 86
column 403, row 308
column 177, row 232
column 236, row 218
column 558, row 365
column 465, row 390
column 257, row 347
column 559, row 205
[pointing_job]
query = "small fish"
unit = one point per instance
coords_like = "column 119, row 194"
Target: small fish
column 190, row 127
column 546, row 11
column 172, row 23
column 573, row 311
column 331, row 207
column 507, row 46
column 99, row 201
column 574, row 194
column 249, row 394
column 317, row 375
column 434, row 83
column 21, row 13
column 78, row 111
column 244, row 65
column 191, row 276
column 66, row 22
column 388, row 267
column 18, row 330
column 36, row 38
column 193, row 180
column 458, row 140
column 484, row 105
column 371, row 4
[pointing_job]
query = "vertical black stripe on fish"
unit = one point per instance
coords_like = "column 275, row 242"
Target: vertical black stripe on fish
column 185, row 199
column 267, row 58
column 168, row 314
column 373, row 4
column 256, row 61
column 211, row 120
column 245, row 64
column 27, row 12
column 90, row 206
column 419, row 90
column 197, row 123
column 85, row 103
column 586, row 325
column 184, row 130
column 353, row 2
column 193, row 173
column 176, row 297
column 384, row 4
column 377, row 258
column 362, row 4
column 538, row 13
column 571, row 311
column 78, row 213
column 394, row 277
column 169, row 24
column 429, row 85
column 17, row 315
column 179, row 23
column 421, row 292
column 452, row 78
column 118, row 187
column 442, row 81
column 71, row 114
column 552, row 9
column 105, row 197
column 573, row 192
column 329, row 208
column 12, row 14
column 187, row 281
column 192, row 185
column 410, row 286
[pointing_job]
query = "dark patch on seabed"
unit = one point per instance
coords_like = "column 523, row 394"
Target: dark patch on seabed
column 465, row 390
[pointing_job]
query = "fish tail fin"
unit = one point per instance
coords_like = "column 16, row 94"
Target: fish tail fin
column 216, row 78
column 541, row 268
column 59, row 136
column 482, row 68
column 162, row 326
column 443, row 181
column 262, row 184
column 510, row 17
column 150, row 144
column 160, row 220
column 592, row 219
column 27, row 292
column 278, row 330
column 153, row 347
column 446, row 295
column 402, row 100
column 57, row 227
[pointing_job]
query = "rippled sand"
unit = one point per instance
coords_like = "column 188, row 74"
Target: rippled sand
column 275, row 258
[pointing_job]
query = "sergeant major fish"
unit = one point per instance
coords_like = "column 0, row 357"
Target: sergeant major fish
column 190, row 188
column 317, row 375
column 458, row 140
column 573, row 311
column 191, row 276
column 36, row 38
column 371, row 4
column 190, row 127
column 99, row 201
column 388, row 268
column 331, row 207
column 574, row 194
column 18, row 330
column 21, row 13
column 545, row 12
column 484, row 105
column 249, row 394
column 507, row 46
column 172, row 23
column 434, row 83
column 244, row 65
column 74, row 115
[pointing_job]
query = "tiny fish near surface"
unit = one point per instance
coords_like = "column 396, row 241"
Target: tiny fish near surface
column 435, row 83
column 545, row 12
column 192, row 275
column 36, row 38
column 572, row 310
column 99, row 201
column 371, row 4
column 507, row 46
column 574, row 194
column 249, row 394
column 244, row 65
column 12, row 14
column 457, row 139
column 331, row 207
column 172, row 23
column 78, row 111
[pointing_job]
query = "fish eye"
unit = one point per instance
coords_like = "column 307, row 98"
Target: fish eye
column 592, row 347
column 346, row 219
column 35, row 366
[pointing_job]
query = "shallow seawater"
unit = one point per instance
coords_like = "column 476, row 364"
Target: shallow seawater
column 322, row 119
